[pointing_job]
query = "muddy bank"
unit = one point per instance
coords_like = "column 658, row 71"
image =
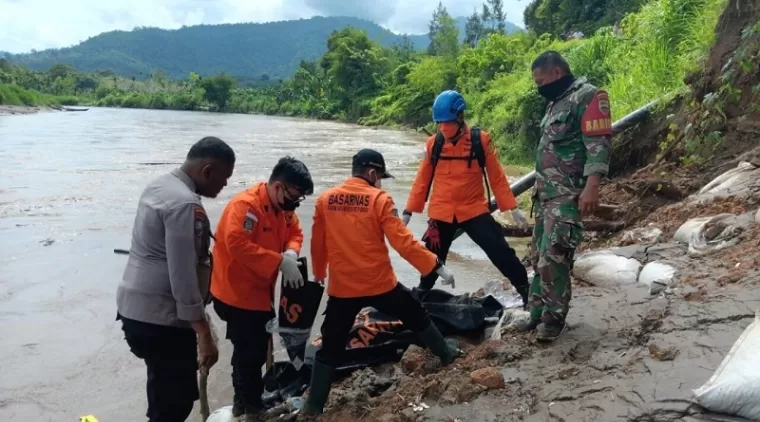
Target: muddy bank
column 627, row 355
column 9, row 110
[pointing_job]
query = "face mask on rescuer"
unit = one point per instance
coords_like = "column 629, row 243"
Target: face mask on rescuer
column 449, row 129
column 553, row 90
column 287, row 203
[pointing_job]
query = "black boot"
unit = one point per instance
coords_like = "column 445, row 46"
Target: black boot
column 446, row 350
column 319, row 389
column 550, row 332
column 527, row 325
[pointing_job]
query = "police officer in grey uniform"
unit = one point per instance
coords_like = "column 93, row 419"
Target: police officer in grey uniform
column 164, row 289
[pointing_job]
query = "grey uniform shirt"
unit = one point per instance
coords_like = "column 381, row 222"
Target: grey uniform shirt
column 170, row 238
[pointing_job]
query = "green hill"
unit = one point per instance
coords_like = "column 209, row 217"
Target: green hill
column 247, row 50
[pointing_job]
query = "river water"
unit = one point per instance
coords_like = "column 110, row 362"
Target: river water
column 69, row 186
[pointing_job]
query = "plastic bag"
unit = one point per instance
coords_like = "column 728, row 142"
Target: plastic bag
column 604, row 268
column 508, row 321
column 296, row 314
column 506, row 298
column 734, row 388
column 657, row 276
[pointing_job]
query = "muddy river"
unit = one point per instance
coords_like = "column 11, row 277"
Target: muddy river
column 69, row 186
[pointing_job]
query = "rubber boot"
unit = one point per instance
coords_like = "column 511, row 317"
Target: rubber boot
column 447, row 351
column 319, row 389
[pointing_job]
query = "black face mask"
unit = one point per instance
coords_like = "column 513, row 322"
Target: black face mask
column 553, row 90
column 287, row 203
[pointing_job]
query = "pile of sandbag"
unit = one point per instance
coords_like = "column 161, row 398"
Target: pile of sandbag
column 607, row 268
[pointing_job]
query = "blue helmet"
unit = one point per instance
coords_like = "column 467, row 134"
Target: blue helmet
column 447, row 105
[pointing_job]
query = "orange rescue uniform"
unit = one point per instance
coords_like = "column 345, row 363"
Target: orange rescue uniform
column 458, row 191
column 250, row 239
column 351, row 223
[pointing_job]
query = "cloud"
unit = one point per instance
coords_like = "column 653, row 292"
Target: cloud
column 41, row 24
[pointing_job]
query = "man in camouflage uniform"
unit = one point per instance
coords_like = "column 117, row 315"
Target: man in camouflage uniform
column 573, row 155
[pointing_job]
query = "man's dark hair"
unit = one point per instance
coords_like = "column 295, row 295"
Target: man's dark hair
column 550, row 59
column 294, row 173
column 212, row 148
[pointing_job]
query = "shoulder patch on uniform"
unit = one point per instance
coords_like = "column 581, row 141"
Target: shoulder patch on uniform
column 597, row 120
column 199, row 220
column 250, row 220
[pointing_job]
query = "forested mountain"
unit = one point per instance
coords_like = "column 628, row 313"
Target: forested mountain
column 249, row 50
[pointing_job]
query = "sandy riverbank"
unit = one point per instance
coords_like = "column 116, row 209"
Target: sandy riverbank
column 9, row 110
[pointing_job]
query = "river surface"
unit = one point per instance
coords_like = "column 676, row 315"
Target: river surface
column 69, row 186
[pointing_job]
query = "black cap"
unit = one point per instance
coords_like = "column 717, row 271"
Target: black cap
column 371, row 158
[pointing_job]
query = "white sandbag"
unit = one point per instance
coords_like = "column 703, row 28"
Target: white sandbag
column 734, row 388
column 604, row 268
column 657, row 275
column 741, row 181
column 693, row 233
column 223, row 414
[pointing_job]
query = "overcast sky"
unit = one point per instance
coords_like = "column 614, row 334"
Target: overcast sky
column 41, row 24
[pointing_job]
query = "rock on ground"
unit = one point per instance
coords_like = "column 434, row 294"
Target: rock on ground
column 488, row 377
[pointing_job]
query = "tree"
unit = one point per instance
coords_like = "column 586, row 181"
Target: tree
column 498, row 23
column 444, row 34
column 404, row 49
column 473, row 30
column 217, row 89
column 354, row 65
column 61, row 71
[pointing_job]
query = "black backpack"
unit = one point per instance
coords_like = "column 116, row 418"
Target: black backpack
column 476, row 151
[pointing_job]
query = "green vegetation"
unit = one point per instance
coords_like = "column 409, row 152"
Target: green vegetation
column 358, row 79
column 254, row 53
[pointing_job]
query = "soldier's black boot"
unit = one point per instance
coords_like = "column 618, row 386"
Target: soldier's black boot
column 446, row 350
column 550, row 332
column 527, row 325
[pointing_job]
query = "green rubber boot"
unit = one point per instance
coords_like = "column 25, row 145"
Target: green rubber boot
column 319, row 389
column 446, row 350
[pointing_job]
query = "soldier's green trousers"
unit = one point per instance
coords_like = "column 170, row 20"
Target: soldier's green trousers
column 557, row 233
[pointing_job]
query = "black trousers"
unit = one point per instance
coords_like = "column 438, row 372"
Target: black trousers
column 171, row 356
column 486, row 233
column 341, row 313
column 250, row 340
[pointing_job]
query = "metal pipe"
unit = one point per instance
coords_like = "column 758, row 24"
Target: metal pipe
column 526, row 182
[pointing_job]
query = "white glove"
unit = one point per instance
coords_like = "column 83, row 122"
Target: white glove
column 291, row 275
column 405, row 218
column 291, row 253
column 447, row 276
column 519, row 218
